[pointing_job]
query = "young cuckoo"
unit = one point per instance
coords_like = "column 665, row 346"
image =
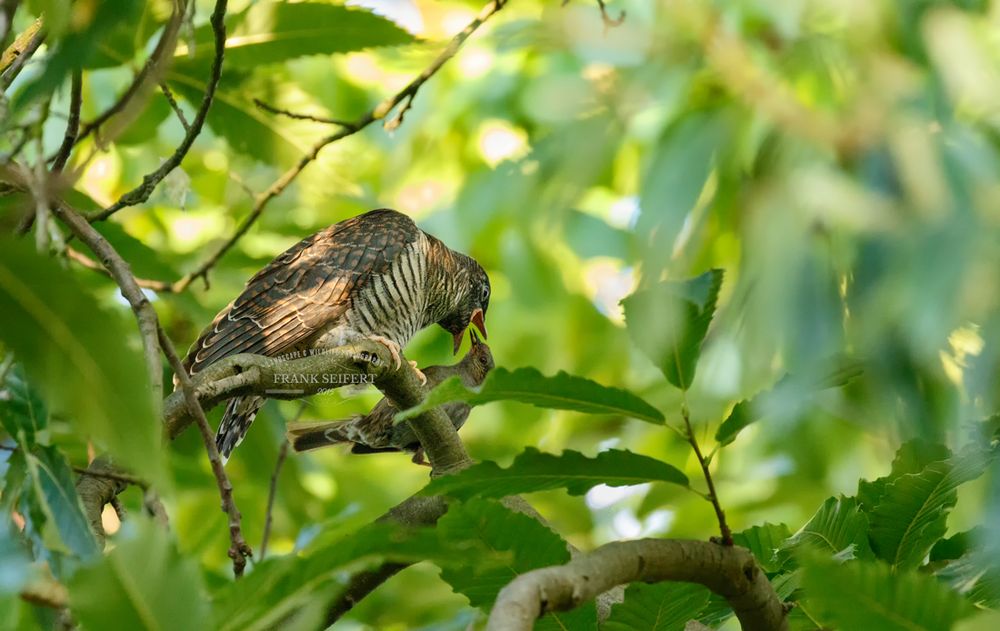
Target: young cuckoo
column 376, row 276
column 375, row 432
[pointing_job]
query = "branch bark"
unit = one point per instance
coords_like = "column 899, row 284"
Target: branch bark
column 729, row 571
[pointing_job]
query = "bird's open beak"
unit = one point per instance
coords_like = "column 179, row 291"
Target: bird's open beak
column 474, row 338
column 457, row 337
column 480, row 321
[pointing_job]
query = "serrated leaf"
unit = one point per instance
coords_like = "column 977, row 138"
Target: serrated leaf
column 282, row 590
column 784, row 398
column 534, row 471
column 55, row 491
column 233, row 116
column 912, row 513
column 528, row 385
column 869, row 595
column 662, row 606
column 272, row 32
column 151, row 585
column 22, row 410
column 84, row 366
column 764, row 542
column 975, row 575
column 668, row 322
column 839, row 527
column 530, row 544
column 911, row 457
column 77, row 46
column 680, row 168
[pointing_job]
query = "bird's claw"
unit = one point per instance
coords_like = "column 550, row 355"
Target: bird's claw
column 392, row 347
column 420, row 373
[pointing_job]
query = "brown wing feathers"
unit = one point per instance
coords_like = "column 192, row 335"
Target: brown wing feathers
column 304, row 289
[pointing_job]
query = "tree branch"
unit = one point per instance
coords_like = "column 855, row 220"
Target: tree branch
column 153, row 68
column 239, row 550
column 713, row 497
column 72, row 122
column 98, row 485
column 728, row 571
column 150, row 181
column 379, row 112
column 18, row 53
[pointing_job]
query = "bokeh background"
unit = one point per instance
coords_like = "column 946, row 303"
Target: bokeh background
column 837, row 158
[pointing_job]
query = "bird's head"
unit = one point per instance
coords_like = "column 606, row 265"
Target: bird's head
column 470, row 306
column 477, row 363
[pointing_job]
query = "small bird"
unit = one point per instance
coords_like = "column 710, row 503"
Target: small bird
column 375, row 432
column 376, row 276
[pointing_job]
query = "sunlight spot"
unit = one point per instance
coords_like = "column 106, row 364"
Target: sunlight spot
column 215, row 160
column 624, row 212
column 626, row 525
column 602, row 495
column 319, row 484
column 403, row 12
column 607, row 283
column 475, row 63
column 499, row 141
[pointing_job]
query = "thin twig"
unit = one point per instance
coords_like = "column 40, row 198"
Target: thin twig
column 610, row 22
column 239, row 550
column 272, row 492
column 152, row 68
column 122, row 273
column 379, row 112
column 113, row 475
column 72, row 122
column 150, row 181
column 305, row 117
column 18, row 53
column 177, row 108
column 713, row 497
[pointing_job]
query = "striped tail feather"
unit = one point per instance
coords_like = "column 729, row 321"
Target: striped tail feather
column 309, row 436
column 239, row 415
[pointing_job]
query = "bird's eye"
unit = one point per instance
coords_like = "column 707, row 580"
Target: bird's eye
column 485, row 294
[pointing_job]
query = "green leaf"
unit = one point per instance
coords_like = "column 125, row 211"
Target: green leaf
column 677, row 175
column 528, row 385
column 15, row 563
column 530, row 544
column 150, row 585
column 662, row 606
column 764, row 542
column 866, row 595
column 283, row 591
column 233, row 115
column 22, row 410
column 838, row 528
column 912, row 514
column 669, row 321
column 55, row 491
column 975, row 575
column 787, row 395
column 79, row 356
column 272, row 32
column 911, row 457
column 534, row 471
column 76, row 47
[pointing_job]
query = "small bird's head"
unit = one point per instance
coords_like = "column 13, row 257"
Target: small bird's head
column 477, row 363
column 471, row 305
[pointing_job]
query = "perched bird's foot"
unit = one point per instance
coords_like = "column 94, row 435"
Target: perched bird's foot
column 420, row 373
column 393, row 347
column 418, row 458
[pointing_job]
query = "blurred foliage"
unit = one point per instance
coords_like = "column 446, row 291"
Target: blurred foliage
column 837, row 159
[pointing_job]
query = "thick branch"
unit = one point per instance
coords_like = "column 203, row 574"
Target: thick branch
column 150, row 181
column 97, row 486
column 728, row 571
